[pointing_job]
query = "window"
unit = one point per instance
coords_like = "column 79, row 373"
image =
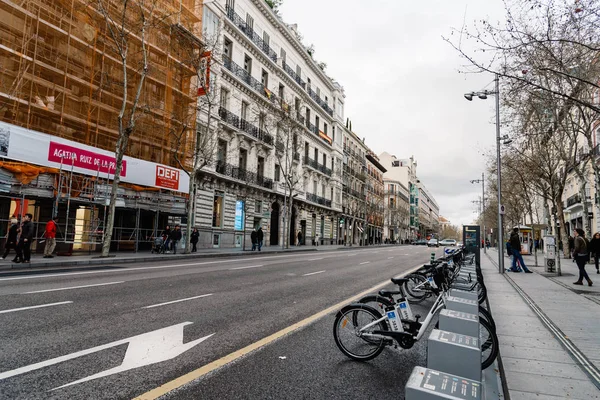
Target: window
column 264, row 78
column 323, row 190
column 297, row 106
column 307, row 115
column 260, row 167
column 258, row 206
column 299, row 71
column 243, row 159
column 325, row 128
column 314, row 187
column 261, row 121
column 249, row 21
column 316, row 155
column 308, row 82
column 318, row 92
column 244, row 110
column 331, row 194
column 266, row 38
column 218, row 209
column 317, row 121
column 324, row 160
column 326, row 99
column 231, row 4
column 277, row 173
column 333, row 133
column 227, row 48
column 283, row 57
column 281, row 91
column 306, row 149
column 224, row 98
column 247, row 64
column 395, row 163
column 221, row 151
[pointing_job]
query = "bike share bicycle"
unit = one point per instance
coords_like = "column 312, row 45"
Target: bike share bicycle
column 361, row 331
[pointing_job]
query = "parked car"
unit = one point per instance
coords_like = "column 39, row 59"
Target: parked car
column 420, row 242
column 433, row 242
column 447, row 242
column 459, row 244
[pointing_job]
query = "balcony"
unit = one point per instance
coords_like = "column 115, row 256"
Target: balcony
column 312, row 128
column 249, row 80
column 294, row 75
column 318, row 199
column 249, row 177
column 245, row 126
column 316, row 166
column 319, row 101
column 296, row 156
column 248, row 31
column 358, row 175
column 354, row 193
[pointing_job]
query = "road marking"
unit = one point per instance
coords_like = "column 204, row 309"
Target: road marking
column 198, row 373
column 314, row 273
column 350, row 255
column 249, row 266
column 32, row 307
column 389, row 258
column 391, row 250
column 366, row 262
column 73, row 287
column 315, row 259
column 178, row 301
column 295, row 254
column 405, row 254
column 145, row 349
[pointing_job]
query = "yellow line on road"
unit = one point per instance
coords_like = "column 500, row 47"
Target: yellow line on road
column 198, row 373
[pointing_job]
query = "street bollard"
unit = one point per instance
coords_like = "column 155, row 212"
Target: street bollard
column 459, row 322
column 455, row 354
column 428, row 384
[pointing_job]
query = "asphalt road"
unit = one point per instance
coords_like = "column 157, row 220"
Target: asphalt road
column 121, row 331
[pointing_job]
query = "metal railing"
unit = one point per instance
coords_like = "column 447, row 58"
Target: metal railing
column 249, row 80
column 315, row 165
column 248, row 31
column 319, row 101
column 293, row 74
column 244, row 175
column 245, row 126
column 318, row 199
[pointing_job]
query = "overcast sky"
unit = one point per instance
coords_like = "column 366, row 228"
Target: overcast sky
column 403, row 89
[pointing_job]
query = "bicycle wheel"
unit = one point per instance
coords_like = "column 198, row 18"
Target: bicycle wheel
column 485, row 314
column 481, row 292
column 489, row 344
column 417, row 288
column 377, row 302
column 348, row 321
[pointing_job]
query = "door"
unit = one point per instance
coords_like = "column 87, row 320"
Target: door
column 274, row 234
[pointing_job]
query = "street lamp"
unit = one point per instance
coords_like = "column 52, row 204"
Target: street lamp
column 482, row 181
column 483, row 95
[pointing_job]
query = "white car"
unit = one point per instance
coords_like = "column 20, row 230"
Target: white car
column 448, row 242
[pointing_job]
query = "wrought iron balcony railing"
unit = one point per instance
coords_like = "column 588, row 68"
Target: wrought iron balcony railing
column 249, row 80
column 294, row 75
column 248, row 31
column 245, row 126
column 244, row 175
column 318, row 199
column 319, row 101
column 315, row 165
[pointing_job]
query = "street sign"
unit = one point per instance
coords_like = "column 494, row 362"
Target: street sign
column 501, row 209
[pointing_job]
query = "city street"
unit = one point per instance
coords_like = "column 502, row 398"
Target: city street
column 121, row 331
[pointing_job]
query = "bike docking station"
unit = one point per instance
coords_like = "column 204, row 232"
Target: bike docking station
column 463, row 305
column 464, row 294
column 428, row 384
column 459, row 322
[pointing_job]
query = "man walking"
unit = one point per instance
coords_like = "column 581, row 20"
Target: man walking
column 176, row 236
column 515, row 247
column 24, row 245
column 50, row 235
column 254, row 239
column 259, row 237
column 11, row 240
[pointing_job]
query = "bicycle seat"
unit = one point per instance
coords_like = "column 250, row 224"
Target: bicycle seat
column 388, row 293
column 399, row 281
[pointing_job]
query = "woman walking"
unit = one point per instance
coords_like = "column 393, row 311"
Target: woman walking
column 194, row 239
column 595, row 250
column 581, row 256
column 11, row 240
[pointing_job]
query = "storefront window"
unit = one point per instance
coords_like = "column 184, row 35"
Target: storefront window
column 218, row 209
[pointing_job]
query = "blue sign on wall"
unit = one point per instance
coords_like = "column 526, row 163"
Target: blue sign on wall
column 239, row 215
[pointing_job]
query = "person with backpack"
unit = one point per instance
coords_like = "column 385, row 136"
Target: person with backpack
column 594, row 249
column 581, row 256
column 515, row 247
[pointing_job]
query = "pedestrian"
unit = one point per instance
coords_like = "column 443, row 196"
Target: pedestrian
column 11, row 238
column 515, row 246
column 259, row 237
column 50, row 235
column 571, row 245
column 194, row 239
column 581, row 256
column 299, row 243
column 594, row 249
column 531, row 249
column 508, row 249
column 254, row 238
column 24, row 246
column 166, row 235
column 176, row 236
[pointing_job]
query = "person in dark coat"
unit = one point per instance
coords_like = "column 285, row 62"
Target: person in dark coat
column 571, row 245
column 176, row 236
column 299, row 238
column 254, row 238
column 166, row 235
column 515, row 246
column 25, row 240
column 259, row 237
column 194, row 239
column 594, row 248
column 581, row 256
column 11, row 239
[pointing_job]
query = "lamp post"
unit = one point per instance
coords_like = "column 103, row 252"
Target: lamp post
column 483, row 95
column 482, row 207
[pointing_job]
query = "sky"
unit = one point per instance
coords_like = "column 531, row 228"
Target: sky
column 404, row 91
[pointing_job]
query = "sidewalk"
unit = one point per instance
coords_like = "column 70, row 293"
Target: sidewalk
column 94, row 259
column 549, row 335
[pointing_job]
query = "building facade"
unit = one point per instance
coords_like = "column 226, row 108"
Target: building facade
column 278, row 135
column 429, row 212
column 375, row 198
column 397, row 212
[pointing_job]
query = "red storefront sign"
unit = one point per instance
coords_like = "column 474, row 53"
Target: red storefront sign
column 167, row 178
column 73, row 156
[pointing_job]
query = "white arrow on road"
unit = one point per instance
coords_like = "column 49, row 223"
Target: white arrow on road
column 145, row 349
